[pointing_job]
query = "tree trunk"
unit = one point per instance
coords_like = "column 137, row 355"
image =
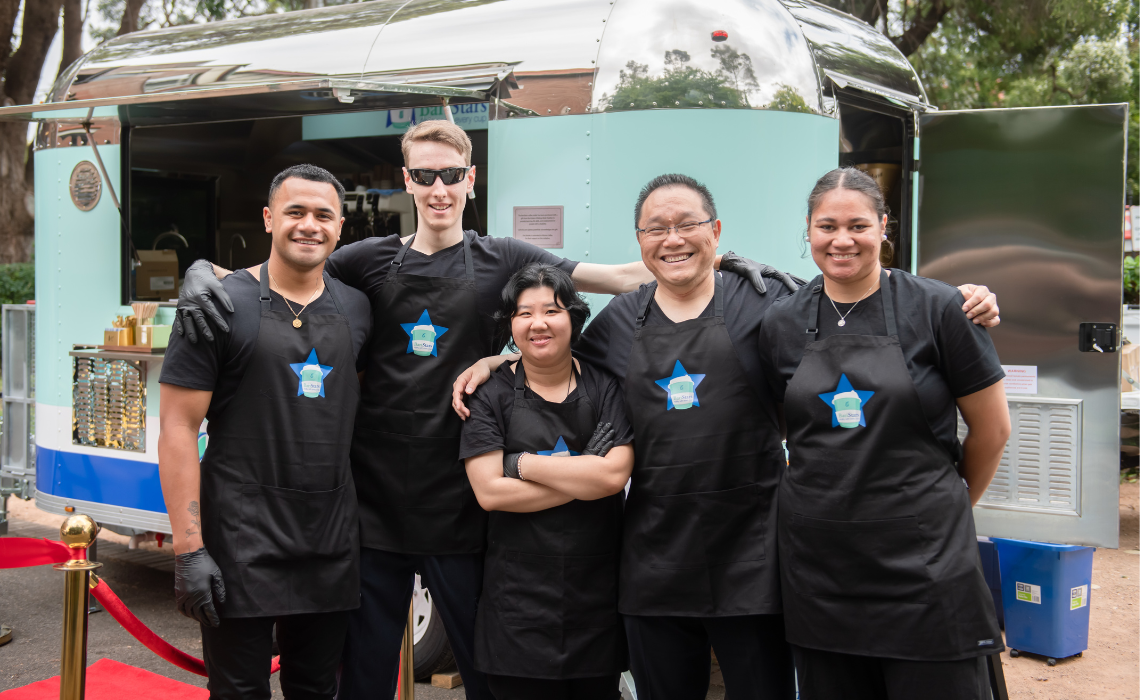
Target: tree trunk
column 21, row 74
column 922, row 26
column 72, row 34
column 131, row 14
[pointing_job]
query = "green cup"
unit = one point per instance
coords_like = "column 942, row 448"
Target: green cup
column 848, row 409
column 311, row 380
column 423, row 340
column 681, row 391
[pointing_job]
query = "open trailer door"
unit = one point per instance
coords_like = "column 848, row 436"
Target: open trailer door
column 1030, row 202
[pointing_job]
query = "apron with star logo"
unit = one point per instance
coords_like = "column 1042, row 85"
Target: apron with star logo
column 878, row 553
column 278, row 505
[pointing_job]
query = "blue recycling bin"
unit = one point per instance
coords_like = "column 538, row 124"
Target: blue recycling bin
column 1045, row 591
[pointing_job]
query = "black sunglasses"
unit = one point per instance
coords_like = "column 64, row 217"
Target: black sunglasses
column 426, row 177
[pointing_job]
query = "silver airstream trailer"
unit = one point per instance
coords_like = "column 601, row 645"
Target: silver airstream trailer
column 157, row 148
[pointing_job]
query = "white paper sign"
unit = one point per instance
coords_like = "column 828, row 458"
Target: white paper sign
column 541, row 226
column 1020, row 379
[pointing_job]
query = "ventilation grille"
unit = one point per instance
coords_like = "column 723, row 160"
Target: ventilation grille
column 1041, row 466
column 109, row 404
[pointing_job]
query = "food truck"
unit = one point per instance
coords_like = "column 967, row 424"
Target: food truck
column 157, row 148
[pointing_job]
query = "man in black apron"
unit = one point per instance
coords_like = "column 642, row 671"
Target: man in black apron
column 265, row 528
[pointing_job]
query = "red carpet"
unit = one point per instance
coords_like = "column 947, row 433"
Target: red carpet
column 111, row 680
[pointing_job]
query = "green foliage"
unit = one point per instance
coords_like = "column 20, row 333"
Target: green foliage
column 17, row 283
column 1027, row 53
column 788, row 99
column 1131, row 280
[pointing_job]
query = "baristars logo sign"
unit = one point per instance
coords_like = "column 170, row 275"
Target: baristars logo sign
column 423, row 336
column 847, row 404
column 560, row 450
column 311, row 375
column 681, row 388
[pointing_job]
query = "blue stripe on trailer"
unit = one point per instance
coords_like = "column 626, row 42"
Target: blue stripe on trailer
column 108, row 480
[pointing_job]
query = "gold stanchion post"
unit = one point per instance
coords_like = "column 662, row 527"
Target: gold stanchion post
column 77, row 532
column 407, row 666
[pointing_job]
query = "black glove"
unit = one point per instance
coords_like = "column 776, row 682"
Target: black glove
column 511, row 465
column 197, row 584
column 199, row 289
column 755, row 272
column 602, row 441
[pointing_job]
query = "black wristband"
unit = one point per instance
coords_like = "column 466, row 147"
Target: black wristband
column 511, row 465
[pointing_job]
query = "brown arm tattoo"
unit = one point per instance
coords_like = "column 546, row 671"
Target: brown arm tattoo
column 194, row 513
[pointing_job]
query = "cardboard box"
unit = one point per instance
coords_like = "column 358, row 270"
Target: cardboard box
column 152, row 336
column 157, row 275
column 118, row 336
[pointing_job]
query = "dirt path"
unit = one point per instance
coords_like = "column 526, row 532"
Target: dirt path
column 1111, row 666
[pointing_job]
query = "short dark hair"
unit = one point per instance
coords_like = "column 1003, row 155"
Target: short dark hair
column 673, row 180
column 306, row 171
column 534, row 275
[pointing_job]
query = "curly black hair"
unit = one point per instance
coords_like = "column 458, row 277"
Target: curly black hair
column 534, row 275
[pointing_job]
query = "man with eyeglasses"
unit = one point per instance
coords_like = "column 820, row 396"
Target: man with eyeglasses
column 433, row 297
column 698, row 564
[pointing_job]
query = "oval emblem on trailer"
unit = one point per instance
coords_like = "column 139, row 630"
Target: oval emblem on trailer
column 86, row 186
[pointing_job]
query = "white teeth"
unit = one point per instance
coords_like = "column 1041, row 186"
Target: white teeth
column 847, row 256
column 677, row 258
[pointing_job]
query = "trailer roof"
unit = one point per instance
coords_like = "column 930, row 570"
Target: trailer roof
column 567, row 56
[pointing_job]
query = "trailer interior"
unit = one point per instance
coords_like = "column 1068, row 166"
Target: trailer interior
column 199, row 189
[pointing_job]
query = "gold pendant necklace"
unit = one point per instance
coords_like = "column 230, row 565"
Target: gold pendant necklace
column 296, row 314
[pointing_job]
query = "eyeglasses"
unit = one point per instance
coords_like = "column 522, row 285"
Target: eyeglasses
column 683, row 230
column 426, row 177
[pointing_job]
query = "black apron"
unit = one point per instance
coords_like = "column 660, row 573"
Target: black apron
column 278, row 504
column 549, row 604
column 877, row 541
column 414, row 494
column 699, row 537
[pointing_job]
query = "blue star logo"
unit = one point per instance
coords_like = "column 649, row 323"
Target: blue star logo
column 681, row 388
column 849, row 401
column 306, row 372
column 560, row 449
column 423, row 337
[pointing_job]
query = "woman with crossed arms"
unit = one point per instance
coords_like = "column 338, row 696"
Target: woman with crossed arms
column 547, row 452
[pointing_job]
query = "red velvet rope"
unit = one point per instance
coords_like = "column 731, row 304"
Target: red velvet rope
column 16, row 552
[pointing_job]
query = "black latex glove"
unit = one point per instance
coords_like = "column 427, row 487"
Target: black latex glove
column 196, row 299
column 511, row 465
column 197, row 584
column 755, row 272
column 602, row 441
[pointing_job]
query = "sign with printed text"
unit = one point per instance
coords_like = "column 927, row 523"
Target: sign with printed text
column 540, row 226
column 1078, row 597
column 1029, row 593
column 1020, row 379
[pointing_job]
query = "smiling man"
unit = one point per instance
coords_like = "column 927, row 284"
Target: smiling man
column 265, row 527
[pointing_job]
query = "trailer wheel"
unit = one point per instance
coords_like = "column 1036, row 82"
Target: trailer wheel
column 432, row 651
column 1051, row 662
column 1014, row 653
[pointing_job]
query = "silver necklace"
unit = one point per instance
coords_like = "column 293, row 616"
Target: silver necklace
column 843, row 317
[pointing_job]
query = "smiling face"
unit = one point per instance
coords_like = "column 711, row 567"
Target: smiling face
column 541, row 328
column 440, row 206
column 846, row 235
column 679, row 262
column 304, row 220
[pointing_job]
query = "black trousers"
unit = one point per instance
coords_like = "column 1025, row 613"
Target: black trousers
column 516, row 688
column 239, row 651
column 670, row 660
column 376, row 629
column 827, row 675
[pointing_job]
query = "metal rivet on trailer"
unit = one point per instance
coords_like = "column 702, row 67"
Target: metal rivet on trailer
column 654, row 104
column 587, row 133
column 587, row 182
column 548, row 111
column 700, row 102
column 630, row 104
column 587, row 157
column 597, row 39
column 722, row 101
column 589, row 84
column 676, row 103
column 587, row 205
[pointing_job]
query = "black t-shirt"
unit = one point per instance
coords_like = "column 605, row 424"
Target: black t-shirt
column 947, row 354
column 608, row 341
column 219, row 366
column 485, row 430
column 365, row 264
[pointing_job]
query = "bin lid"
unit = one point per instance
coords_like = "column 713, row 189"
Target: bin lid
column 1048, row 546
